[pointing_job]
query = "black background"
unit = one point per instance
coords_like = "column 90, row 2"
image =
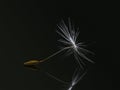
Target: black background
column 27, row 31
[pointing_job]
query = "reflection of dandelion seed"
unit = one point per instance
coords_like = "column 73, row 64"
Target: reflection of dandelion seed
column 69, row 38
column 76, row 77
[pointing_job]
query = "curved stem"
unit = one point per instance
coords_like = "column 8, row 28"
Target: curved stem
column 50, row 75
column 55, row 54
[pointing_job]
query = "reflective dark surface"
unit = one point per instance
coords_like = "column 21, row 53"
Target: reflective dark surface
column 27, row 31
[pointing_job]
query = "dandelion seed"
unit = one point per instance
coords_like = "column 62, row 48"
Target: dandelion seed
column 69, row 35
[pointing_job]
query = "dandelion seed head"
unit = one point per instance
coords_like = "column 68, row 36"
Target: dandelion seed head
column 69, row 38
